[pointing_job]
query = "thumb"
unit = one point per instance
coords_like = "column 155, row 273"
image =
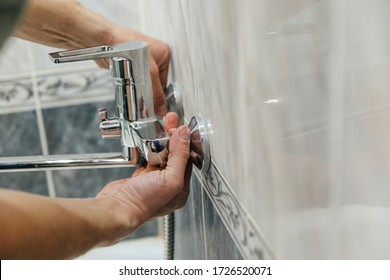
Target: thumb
column 179, row 153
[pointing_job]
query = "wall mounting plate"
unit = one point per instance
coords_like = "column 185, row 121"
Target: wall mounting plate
column 199, row 146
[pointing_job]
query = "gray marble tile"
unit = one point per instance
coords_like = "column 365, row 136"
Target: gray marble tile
column 148, row 229
column 219, row 244
column 74, row 129
column 189, row 239
column 32, row 182
column 19, row 136
column 86, row 182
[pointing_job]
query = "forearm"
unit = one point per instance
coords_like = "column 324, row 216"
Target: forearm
column 64, row 24
column 38, row 227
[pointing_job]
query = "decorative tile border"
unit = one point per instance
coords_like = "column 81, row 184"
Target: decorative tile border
column 237, row 220
column 16, row 95
column 55, row 90
column 75, row 86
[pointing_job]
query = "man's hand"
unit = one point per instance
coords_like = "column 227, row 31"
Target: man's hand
column 152, row 191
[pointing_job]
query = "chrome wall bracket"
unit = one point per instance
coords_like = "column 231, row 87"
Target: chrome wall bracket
column 200, row 146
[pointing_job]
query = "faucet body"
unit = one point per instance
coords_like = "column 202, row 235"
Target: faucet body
column 135, row 122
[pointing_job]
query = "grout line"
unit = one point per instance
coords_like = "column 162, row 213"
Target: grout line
column 41, row 124
column 203, row 221
column 50, row 183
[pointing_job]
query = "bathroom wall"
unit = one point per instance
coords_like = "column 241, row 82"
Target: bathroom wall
column 295, row 96
column 48, row 109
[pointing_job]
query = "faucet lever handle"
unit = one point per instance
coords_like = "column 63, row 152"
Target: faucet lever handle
column 134, row 50
column 80, row 54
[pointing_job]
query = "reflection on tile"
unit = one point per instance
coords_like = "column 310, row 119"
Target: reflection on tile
column 189, row 239
column 219, row 244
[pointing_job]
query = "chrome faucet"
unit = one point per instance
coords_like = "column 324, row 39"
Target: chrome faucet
column 142, row 136
column 135, row 124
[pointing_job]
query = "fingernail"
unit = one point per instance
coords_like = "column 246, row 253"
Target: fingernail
column 184, row 133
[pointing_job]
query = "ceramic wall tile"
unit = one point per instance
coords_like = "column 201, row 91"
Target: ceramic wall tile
column 14, row 58
column 19, row 136
column 32, row 182
column 189, row 230
column 217, row 234
column 74, row 129
column 72, row 88
column 295, row 96
column 123, row 12
column 16, row 95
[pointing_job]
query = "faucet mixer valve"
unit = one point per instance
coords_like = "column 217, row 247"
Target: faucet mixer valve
column 109, row 128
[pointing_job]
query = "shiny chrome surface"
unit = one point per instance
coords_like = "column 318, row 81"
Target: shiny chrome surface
column 174, row 100
column 109, row 128
column 200, row 147
column 61, row 162
column 135, row 123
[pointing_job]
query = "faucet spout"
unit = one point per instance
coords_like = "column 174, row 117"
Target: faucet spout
column 64, row 162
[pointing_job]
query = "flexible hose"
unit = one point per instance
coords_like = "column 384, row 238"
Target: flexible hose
column 169, row 236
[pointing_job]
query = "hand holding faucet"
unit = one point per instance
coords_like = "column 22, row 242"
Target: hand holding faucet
column 39, row 227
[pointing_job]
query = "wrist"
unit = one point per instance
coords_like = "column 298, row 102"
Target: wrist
column 117, row 221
